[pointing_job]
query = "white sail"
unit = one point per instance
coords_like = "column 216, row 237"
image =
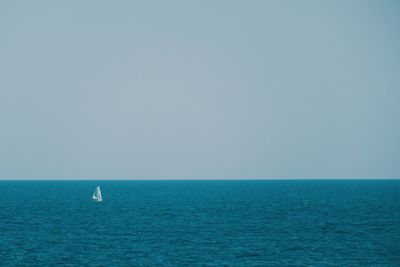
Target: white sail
column 97, row 194
column 99, row 198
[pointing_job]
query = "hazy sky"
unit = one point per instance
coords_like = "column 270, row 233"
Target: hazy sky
column 199, row 89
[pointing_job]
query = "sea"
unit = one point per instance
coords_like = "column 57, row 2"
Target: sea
column 200, row 223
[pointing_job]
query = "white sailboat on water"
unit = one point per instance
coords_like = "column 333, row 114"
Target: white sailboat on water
column 97, row 195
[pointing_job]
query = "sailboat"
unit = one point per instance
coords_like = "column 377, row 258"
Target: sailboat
column 97, row 195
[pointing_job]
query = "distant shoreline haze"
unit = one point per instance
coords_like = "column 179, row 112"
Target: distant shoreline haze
column 207, row 179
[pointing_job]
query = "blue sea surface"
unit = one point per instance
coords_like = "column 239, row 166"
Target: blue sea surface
column 201, row 223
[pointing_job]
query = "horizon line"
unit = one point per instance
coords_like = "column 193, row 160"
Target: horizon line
column 199, row 179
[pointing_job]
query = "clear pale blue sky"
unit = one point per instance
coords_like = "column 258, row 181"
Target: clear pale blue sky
column 199, row 89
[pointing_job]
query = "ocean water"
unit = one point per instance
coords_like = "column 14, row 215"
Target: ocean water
column 200, row 223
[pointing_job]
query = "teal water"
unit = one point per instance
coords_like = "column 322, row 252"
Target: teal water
column 200, row 223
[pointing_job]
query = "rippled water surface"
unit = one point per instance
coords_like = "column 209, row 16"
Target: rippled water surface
column 206, row 223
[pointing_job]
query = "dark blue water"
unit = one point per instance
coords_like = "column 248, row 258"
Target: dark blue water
column 206, row 223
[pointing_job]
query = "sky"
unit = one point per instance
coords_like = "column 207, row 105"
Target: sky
column 199, row 89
